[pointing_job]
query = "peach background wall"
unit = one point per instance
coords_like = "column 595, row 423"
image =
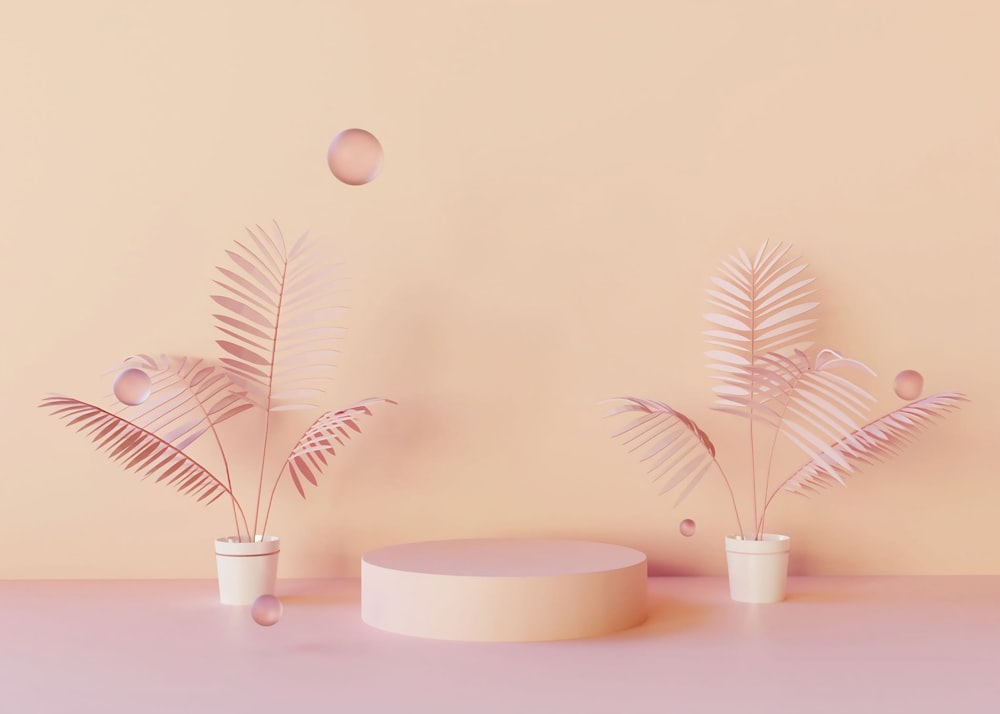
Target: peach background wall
column 561, row 178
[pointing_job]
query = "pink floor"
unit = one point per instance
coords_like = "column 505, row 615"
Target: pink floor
column 908, row 644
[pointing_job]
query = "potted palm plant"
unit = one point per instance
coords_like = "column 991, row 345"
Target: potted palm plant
column 278, row 321
column 760, row 353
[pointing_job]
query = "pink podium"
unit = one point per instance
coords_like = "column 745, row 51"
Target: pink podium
column 504, row 590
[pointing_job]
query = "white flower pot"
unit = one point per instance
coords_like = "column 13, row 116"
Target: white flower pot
column 246, row 570
column 758, row 569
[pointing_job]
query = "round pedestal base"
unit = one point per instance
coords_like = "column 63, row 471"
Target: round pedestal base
column 503, row 590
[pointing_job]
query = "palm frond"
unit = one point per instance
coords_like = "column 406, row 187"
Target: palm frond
column 188, row 398
column 667, row 439
column 137, row 449
column 278, row 320
column 874, row 442
column 329, row 432
column 807, row 403
column 761, row 307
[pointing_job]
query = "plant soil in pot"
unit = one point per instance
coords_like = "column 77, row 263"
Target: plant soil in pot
column 758, row 569
column 247, row 569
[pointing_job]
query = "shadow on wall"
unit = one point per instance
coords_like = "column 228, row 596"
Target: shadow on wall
column 798, row 562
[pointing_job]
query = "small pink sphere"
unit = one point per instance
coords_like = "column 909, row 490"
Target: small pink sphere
column 354, row 156
column 909, row 384
column 687, row 528
column 132, row 387
column 266, row 610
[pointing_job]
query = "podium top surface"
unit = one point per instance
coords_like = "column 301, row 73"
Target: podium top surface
column 493, row 557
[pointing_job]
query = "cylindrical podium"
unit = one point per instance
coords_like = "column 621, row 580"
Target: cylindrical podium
column 504, row 589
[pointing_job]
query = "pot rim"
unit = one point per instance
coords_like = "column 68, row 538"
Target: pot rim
column 261, row 545
column 769, row 543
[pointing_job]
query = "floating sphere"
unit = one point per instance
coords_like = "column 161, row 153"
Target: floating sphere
column 687, row 528
column 909, row 384
column 266, row 610
column 354, row 156
column 132, row 387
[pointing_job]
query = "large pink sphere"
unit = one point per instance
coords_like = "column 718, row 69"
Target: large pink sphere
column 687, row 527
column 266, row 610
column 909, row 384
column 132, row 387
column 354, row 156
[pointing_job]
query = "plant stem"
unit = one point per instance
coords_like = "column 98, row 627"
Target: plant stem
column 753, row 383
column 175, row 373
column 767, row 480
column 225, row 464
column 159, row 439
column 229, row 482
column 792, row 386
column 270, row 500
column 732, row 497
column 768, row 502
column 270, row 387
column 263, row 460
column 753, row 467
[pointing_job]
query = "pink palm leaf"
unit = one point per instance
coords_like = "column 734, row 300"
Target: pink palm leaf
column 809, row 404
column 667, row 439
column 188, row 398
column 329, row 432
column 324, row 436
column 761, row 307
column 875, row 441
column 137, row 449
column 278, row 320
column 672, row 444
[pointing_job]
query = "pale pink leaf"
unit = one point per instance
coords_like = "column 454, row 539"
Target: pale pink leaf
column 727, row 335
column 644, row 419
column 224, row 402
column 787, row 314
column 254, row 272
column 243, row 353
column 682, row 472
column 872, row 442
column 268, row 250
column 785, row 329
column 695, row 480
column 318, row 431
column 191, row 438
column 664, row 462
column 727, row 321
column 238, row 409
column 245, row 327
column 786, row 296
column 199, row 376
column 243, row 310
column 739, row 276
column 243, row 368
column 300, row 245
column 244, row 297
column 295, row 478
column 853, row 363
column 728, row 357
column 248, row 286
column 735, row 293
column 133, row 447
column 242, row 338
